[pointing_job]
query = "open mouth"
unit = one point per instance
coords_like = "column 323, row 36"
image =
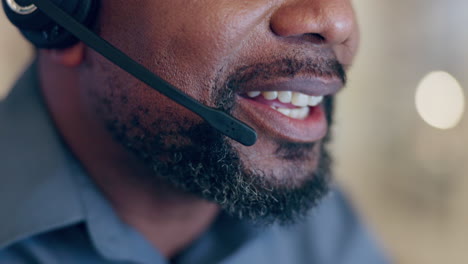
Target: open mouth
column 291, row 110
column 294, row 105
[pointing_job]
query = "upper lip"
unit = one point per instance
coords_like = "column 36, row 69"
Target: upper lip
column 313, row 86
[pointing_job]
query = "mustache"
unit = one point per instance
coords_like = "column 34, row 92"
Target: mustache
column 288, row 67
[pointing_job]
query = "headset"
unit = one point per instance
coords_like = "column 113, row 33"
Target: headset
column 58, row 24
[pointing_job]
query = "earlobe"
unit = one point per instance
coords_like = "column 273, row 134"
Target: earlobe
column 69, row 57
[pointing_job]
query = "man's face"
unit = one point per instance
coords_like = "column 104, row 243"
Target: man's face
column 222, row 53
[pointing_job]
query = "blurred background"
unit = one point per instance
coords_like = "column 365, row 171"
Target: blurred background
column 401, row 135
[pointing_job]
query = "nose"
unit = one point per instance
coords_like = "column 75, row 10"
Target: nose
column 330, row 22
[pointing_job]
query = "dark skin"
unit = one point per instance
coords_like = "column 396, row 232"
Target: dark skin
column 190, row 44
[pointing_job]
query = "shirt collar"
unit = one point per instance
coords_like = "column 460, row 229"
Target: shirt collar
column 112, row 238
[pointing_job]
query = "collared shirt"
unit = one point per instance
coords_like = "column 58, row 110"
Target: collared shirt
column 52, row 212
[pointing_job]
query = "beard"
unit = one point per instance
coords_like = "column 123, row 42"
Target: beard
column 210, row 167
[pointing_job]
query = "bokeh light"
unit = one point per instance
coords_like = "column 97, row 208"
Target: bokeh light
column 440, row 100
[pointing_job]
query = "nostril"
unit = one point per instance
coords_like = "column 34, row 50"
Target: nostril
column 315, row 38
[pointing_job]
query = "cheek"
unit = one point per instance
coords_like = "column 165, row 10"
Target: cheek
column 117, row 99
column 149, row 39
column 185, row 42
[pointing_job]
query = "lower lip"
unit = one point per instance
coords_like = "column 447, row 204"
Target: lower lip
column 272, row 123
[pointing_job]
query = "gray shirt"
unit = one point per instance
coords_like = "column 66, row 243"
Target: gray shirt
column 51, row 212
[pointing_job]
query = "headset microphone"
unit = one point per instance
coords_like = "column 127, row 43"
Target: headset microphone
column 29, row 16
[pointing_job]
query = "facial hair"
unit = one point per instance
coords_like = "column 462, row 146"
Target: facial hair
column 210, row 167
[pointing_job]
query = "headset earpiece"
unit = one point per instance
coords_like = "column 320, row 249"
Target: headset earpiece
column 40, row 30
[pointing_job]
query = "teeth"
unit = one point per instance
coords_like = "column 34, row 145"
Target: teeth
column 297, row 113
column 285, row 97
column 270, row 95
column 300, row 99
column 253, row 94
column 315, row 100
column 284, row 111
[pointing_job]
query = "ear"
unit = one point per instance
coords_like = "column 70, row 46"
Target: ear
column 69, row 57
